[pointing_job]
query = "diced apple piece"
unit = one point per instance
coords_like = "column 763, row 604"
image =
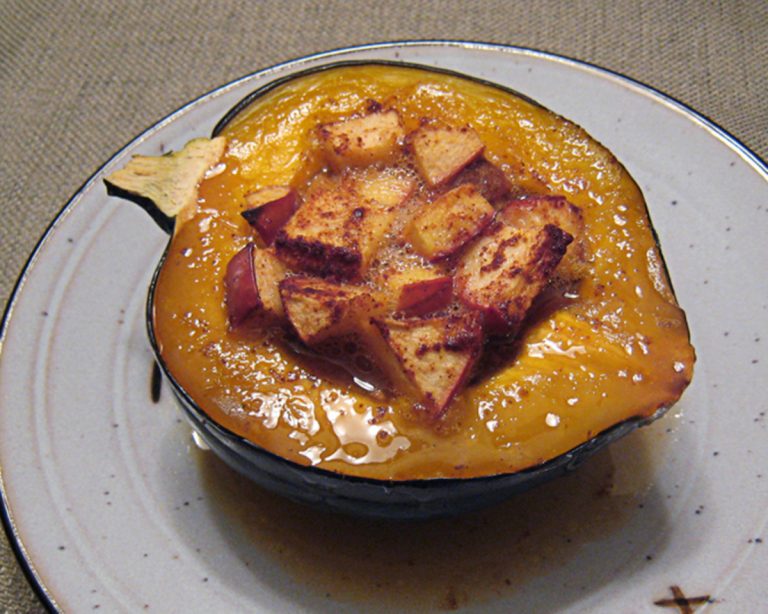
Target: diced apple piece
column 251, row 285
column 361, row 141
column 319, row 309
column 441, row 152
column 506, row 268
column 442, row 227
column 420, row 298
column 393, row 281
column 537, row 211
column 435, row 355
column 489, row 179
column 269, row 209
column 386, row 189
column 166, row 186
column 269, row 273
column 242, row 294
column 340, row 225
column 398, row 277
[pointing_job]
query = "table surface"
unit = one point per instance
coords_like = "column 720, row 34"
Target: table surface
column 79, row 79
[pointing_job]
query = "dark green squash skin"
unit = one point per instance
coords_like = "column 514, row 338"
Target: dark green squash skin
column 161, row 219
column 385, row 499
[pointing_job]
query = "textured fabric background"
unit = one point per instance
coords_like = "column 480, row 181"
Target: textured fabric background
column 80, row 79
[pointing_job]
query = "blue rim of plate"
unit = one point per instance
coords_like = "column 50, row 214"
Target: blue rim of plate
column 757, row 163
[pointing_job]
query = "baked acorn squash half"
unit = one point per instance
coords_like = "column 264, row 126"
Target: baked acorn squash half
column 404, row 292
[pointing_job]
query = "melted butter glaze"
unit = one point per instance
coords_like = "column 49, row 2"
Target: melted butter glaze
column 615, row 346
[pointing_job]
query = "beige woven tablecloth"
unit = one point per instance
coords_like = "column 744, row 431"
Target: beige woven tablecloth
column 80, row 79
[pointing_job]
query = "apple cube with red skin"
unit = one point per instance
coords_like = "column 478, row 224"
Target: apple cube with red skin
column 373, row 138
column 441, row 152
column 537, row 211
column 251, row 283
column 339, row 227
column 442, row 227
column 415, row 290
column 425, row 296
column 269, row 209
column 435, row 356
column 502, row 272
column 319, row 309
column 489, row 179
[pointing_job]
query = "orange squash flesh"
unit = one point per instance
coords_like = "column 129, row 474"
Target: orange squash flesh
column 613, row 347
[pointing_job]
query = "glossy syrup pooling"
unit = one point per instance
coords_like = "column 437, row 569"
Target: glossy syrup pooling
column 539, row 538
column 611, row 347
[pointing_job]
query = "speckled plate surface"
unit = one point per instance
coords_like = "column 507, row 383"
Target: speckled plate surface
column 111, row 505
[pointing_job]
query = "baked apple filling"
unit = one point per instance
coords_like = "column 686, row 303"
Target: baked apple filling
column 380, row 249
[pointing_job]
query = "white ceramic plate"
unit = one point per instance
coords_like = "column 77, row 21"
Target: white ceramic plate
column 111, row 505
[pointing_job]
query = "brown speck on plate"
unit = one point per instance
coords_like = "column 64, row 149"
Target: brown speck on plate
column 685, row 605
